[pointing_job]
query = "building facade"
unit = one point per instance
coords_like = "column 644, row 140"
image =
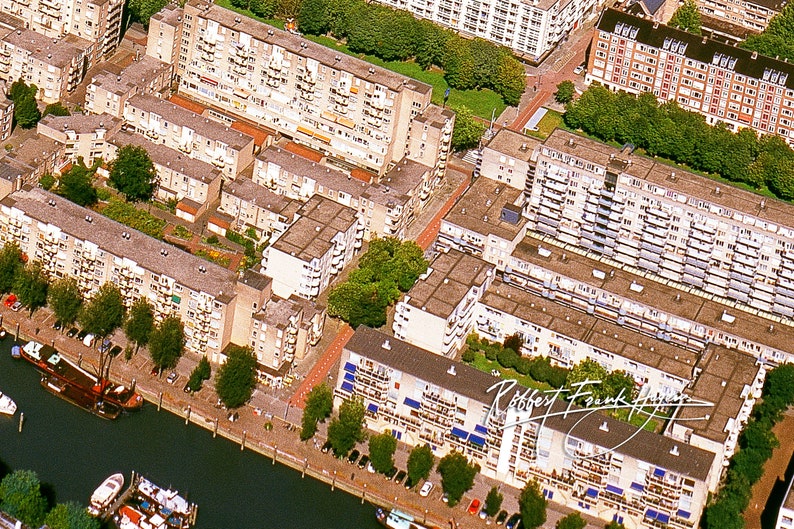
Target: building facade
column 108, row 91
column 82, row 136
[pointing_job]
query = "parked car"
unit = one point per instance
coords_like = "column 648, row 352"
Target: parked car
column 353, row 457
column 501, row 517
column 514, row 522
column 400, row 476
column 445, row 497
column 71, row 333
column 426, row 488
column 579, row 69
column 326, row 447
column 16, row 306
column 115, row 350
column 370, row 468
column 187, row 388
column 82, row 334
column 484, row 512
column 408, row 483
column 171, row 378
column 391, row 473
column 57, row 325
column 474, row 506
column 106, row 345
column 10, row 300
column 88, row 340
column 362, row 463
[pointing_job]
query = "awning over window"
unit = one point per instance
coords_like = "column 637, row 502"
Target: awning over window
column 462, row 434
column 615, row 490
column 372, row 407
column 683, row 514
column 476, row 439
column 637, row 486
column 481, row 429
column 659, row 473
column 350, row 368
column 350, row 377
column 412, row 403
column 593, row 493
column 347, row 386
column 661, row 517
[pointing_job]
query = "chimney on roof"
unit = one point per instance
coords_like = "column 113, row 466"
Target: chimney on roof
column 604, row 427
column 655, row 24
column 451, row 370
column 674, row 451
column 386, row 345
column 524, row 147
column 754, row 55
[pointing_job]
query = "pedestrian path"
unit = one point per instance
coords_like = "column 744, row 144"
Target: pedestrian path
column 323, row 366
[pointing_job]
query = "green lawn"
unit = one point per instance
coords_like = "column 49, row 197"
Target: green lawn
column 550, row 121
column 481, row 102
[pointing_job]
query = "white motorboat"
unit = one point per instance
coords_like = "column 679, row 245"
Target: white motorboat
column 7, row 406
column 104, row 495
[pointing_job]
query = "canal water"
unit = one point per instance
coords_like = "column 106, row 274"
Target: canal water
column 73, row 451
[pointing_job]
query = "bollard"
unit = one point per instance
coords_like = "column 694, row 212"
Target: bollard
column 160, row 401
column 275, row 453
column 21, row 420
column 133, row 384
column 424, row 520
column 16, row 335
column 242, row 441
column 333, row 483
column 215, row 430
column 305, row 466
column 187, row 415
column 363, row 493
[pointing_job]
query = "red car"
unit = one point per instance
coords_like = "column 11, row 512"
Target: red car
column 10, row 300
column 474, row 506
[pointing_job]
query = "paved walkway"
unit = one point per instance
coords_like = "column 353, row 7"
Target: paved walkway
column 323, row 366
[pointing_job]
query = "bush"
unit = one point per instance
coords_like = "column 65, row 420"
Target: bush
column 468, row 356
column 524, row 366
column 491, row 352
column 507, row 358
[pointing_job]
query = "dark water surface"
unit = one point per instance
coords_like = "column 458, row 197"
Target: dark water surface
column 73, row 451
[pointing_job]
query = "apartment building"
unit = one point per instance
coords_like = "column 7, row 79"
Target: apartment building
column 437, row 313
column 56, row 66
column 165, row 34
column 11, row 179
column 486, row 221
column 254, row 206
column 200, row 138
column 724, row 83
column 314, row 249
column 589, row 462
column 82, row 136
column 785, row 515
column 108, row 90
column 96, row 21
column 530, row 28
column 739, row 18
column 6, row 112
column 35, row 158
column 179, row 177
column 386, row 207
column 509, row 158
column 360, row 114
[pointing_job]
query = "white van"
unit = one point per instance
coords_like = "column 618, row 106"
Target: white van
column 88, row 341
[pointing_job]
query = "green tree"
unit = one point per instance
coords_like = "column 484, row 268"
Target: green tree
column 31, row 286
column 133, row 174
column 104, row 313
column 566, row 90
column 572, row 521
column 313, row 17
column 142, row 10
column 56, row 109
column 381, row 451
column 687, row 17
column 20, row 496
column 319, row 405
column 457, row 475
column 140, row 323
column 70, row 515
column 493, row 501
column 532, row 505
column 468, row 129
column 65, row 300
column 19, row 89
column 75, row 185
column 618, row 383
column 235, row 380
column 777, row 40
column 26, row 112
column 200, row 373
column 47, row 181
column 420, row 463
column 590, row 375
column 614, row 525
column 239, row 4
column 167, row 343
column 10, row 265
column 263, row 8
column 509, row 78
column 347, row 428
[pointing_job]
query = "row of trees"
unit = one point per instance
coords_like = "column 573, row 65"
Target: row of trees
column 508, row 355
column 21, row 497
column 755, row 446
column 395, row 35
column 388, row 268
column 777, row 40
column 667, row 130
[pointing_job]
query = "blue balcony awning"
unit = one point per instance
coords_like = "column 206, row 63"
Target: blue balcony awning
column 593, row 493
column 372, row 407
column 412, row 403
column 615, row 490
column 659, row 473
column 350, row 377
column 661, row 517
column 636, row 486
column 476, row 439
column 347, row 386
column 349, row 367
column 481, row 429
column 462, row 434
column 683, row 514
column 651, row 514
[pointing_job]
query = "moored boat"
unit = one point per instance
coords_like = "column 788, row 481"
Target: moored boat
column 146, row 505
column 395, row 519
column 91, row 403
column 51, row 362
column 104, row 495
column 7, row 406
column 16, row 351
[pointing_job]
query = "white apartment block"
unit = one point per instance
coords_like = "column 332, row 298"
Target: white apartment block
column 179, row 176
column 314, row 249
column 200, row 138
column 785, row 515
column 591, row 463
column 81, row 136
column 437, row 313
column 487, row 221
column 360, row 114
column 530, row 28
column 165, row 34
column 55, row 65
column 108, row 91
column 96, row 21
column 509, row 158
column 254, row 206
column 386, row 207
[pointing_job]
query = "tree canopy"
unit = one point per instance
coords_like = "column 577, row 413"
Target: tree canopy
column 142, row 10
column 468, row 129
column 388, row 268
column 420, row 463
column 65, row 300
column 10, row 265
column 602, row 384
column 235, row 380
column 75, row 185
column 457, row 475
column 346, row 429
column 571, row 521
column 493, row 501
column 31, row 286
column 133, row 174
column 381, row 451
column 140, row 323
column 319, row 405
column 104, row 313
column 21, row 497
column 26, row 109
column 532, row 505
column 56, row 109
column 70, row 515
column 200, row 373
column 167, row 343
column 777, row 40
column 687, row 17
column 566, row 90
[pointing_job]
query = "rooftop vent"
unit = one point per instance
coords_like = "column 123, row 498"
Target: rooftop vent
column 636, row 287
column 89, row 218
column 604, row 427
column 372, row 71
column 164, row 252
column 674, row 451
column 524, row 147
column 452, row 371
column 237, row 20
column 727, row 318
column 543, row 252
column 51, row 202
column 202, row 269
column 386, row 345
